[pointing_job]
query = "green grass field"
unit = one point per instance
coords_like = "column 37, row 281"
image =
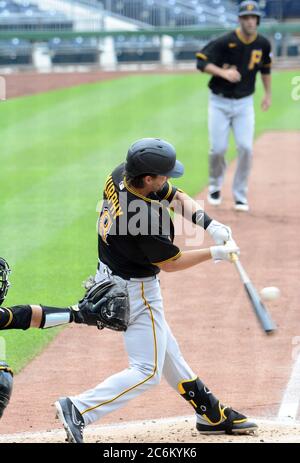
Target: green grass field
column 56, row 150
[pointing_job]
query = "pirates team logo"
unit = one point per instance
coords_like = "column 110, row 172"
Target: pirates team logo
column 255, row 59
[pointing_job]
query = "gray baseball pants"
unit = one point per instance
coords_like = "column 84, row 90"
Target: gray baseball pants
column 224, row 114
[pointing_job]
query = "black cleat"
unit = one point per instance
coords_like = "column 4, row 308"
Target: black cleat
column 215, row 198
column 241, row 207
column 71, row 419
column 228, row 421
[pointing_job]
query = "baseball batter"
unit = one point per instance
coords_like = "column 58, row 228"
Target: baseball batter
column 135, row 242
column 234, row 60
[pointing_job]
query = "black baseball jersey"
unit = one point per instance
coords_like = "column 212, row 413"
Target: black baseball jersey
column 231, row 50
column 135, row 232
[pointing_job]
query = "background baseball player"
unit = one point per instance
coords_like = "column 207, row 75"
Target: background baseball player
column 234, row 60
column 135, row 242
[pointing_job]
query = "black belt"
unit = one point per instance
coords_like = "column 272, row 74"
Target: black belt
column 231, row 97
column 145, row 278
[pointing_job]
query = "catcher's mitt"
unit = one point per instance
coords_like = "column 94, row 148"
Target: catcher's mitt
column 6, row 385
column 105, row 305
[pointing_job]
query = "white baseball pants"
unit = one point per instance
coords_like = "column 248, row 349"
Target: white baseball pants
column 152, row 351
column 224, row 114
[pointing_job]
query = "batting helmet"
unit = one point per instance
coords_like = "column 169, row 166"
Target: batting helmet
column 153, row 156
column 249, row 7
column 4, row 283
column 6, row 385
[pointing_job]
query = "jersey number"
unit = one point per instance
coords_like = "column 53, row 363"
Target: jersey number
column 104, row 224
column 255, row 59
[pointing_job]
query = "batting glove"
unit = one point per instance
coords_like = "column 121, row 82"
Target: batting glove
column 220, row 233
column 225, row 251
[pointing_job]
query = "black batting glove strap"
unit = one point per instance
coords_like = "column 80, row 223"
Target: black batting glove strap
column 201, row 218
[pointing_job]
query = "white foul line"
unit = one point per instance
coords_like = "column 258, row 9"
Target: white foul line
column 290, row 401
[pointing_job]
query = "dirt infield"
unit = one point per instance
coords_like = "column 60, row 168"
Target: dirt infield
column 209, row 314
column 30, row 83
column 177, row 430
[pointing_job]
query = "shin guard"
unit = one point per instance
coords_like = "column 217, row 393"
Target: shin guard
column 198, row 395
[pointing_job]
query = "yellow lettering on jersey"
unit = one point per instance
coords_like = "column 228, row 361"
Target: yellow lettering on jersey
column 112, row 198
column 118, row 212
column 255, row 59
column 232, row 45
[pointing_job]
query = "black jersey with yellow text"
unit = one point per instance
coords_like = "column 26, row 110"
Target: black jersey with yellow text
column 231, row 50
column 135, row 232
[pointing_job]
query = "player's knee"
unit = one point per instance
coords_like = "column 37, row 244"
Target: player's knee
column 156, row 377
column 152, row 374
column 218, row 151
column 244, row 149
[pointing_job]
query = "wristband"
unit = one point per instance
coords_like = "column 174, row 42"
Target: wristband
column 201, row 218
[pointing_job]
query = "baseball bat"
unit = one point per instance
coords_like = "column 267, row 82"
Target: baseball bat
column 260, row 310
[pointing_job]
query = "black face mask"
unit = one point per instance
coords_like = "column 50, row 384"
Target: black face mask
column 4, row 283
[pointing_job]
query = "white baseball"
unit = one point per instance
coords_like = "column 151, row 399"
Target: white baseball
column 270, row 293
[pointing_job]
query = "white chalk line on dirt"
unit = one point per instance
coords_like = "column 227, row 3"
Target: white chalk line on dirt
column 110, row 428
column 290, row 402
